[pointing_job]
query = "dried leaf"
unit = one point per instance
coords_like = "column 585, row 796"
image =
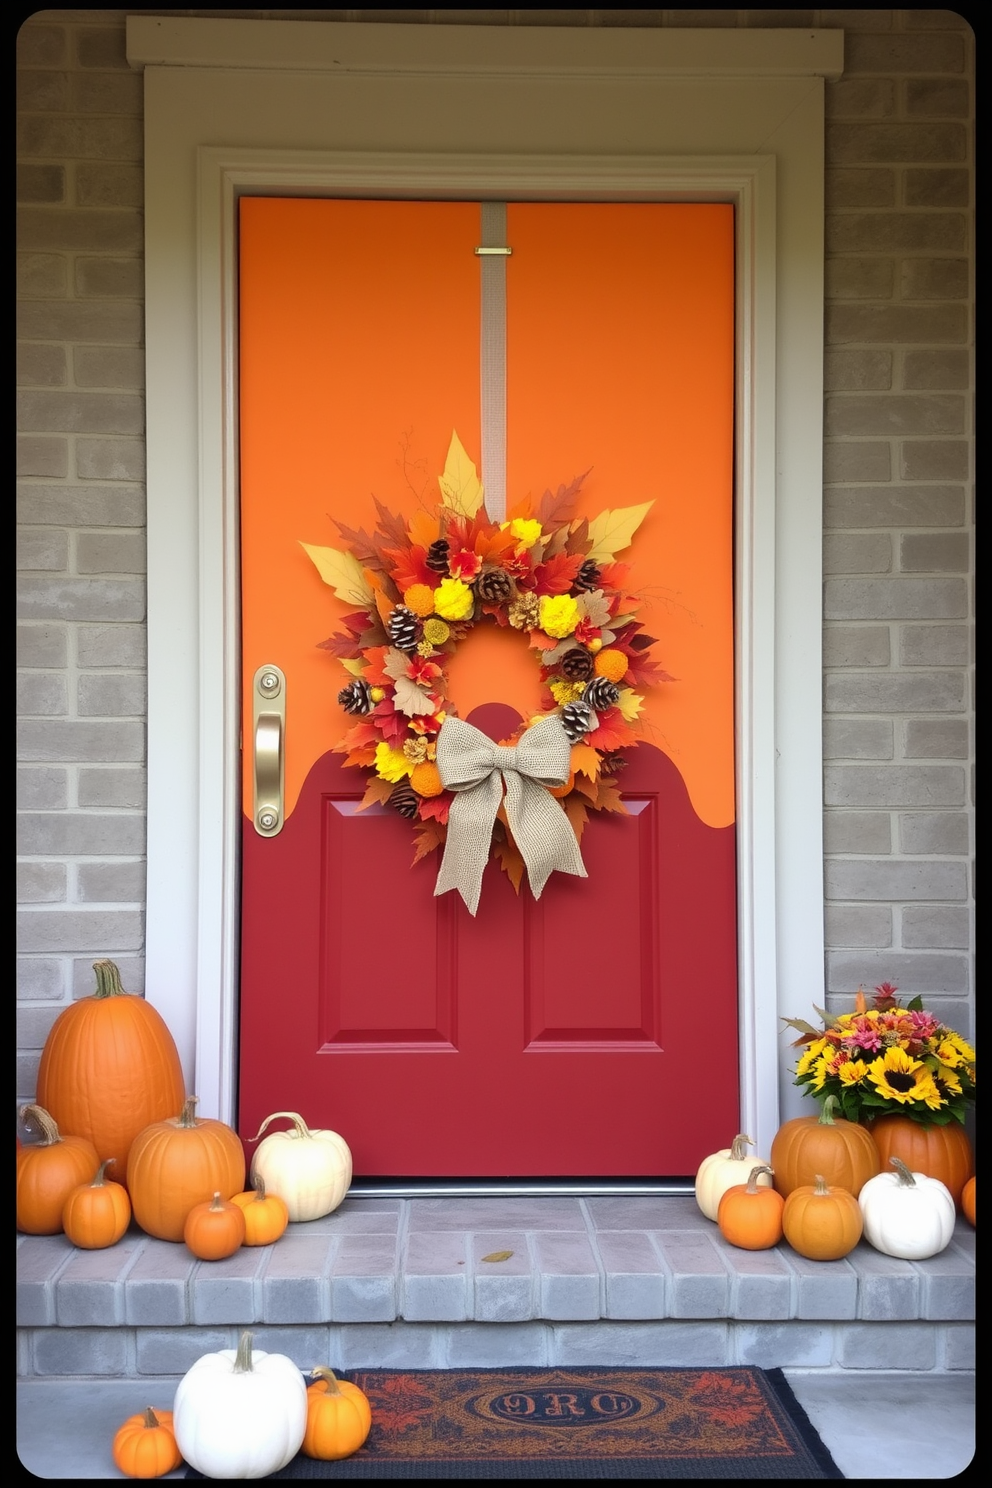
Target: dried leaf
column 393, row 528
column 377, row 793
column 630, row 704
column 342, row 572
column 498, row 1255
column 595, row 606
column 396, row 663
column 424, row 528
column 555, row 510
column 461, row 489
column 585, row 760
column 353, row 664
column 608, row 797
column 363, row 546
column 611, row 733
column 612, row 531
column 410, row 699
column 507, row 854
column 556, row 574
column 428, row 836
column 577, row 813
column 383, row 601
column 410, row 567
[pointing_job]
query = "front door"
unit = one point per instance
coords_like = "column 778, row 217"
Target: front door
column 592, row 1033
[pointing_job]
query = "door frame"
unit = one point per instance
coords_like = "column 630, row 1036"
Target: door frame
column 192, row 187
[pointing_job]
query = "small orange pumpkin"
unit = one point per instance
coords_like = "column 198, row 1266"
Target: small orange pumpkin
column 97, row 1214
column 178, row 1163
column 266, row 1215
column 47, row 1172
column 339, row 1417
column 968, row 1200
column 750, row 1216
column 943, row 1152
column 145, row 1446
column 216, row 1230
column 822, row 1223
column 825, row 1144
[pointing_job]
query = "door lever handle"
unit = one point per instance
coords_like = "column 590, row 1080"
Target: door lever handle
column 269, row 743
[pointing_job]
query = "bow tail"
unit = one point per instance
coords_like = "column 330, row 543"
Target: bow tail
column 466, row 848
column 542, row 832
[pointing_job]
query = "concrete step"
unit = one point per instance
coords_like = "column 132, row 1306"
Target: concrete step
column 404, row 1282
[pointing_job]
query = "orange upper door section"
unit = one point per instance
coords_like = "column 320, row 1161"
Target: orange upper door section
column 360, row 354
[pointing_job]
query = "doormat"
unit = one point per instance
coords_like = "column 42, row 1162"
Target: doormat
column 578, row 1423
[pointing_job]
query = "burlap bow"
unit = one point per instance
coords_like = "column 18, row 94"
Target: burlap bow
column 476, row 769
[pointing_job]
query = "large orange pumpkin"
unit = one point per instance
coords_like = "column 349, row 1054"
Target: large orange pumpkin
column 47, row 1173
column 942, row 1152
column 179, row 1163
column 823, row 1144
column 110, row 1067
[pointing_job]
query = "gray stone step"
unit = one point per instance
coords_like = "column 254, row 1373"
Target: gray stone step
column 404, row 1282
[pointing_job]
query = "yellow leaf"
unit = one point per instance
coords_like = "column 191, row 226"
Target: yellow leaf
column 630, row 704
column 612, row 531
column 498, row 1255
column 342, row 571
column 461, row 489
column 354, row 664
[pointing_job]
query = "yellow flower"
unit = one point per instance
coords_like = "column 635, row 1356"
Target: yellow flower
column 526, row 532
column 566, row 692
column 453, row 599
column 559, row 615
column 391, row 764
column 852, row 1071
column 436, row 632
column 821, row 1070
column 899, row 1078
column 810, row 1055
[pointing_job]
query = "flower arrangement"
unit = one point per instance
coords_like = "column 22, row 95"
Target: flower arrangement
column 421, row 584
column 887, row 1059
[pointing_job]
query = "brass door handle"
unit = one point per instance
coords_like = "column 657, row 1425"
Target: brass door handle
column 269, row 734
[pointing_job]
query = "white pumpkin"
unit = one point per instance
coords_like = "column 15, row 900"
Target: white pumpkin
column 907, row 1214
column 725, row 1169
column 240, row 1414
column 310, row 1170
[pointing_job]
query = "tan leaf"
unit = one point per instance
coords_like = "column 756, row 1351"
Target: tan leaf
column 396, row 663
column 461, row 489
column 612, row 531
column 408, row 698
column 498, row 1255
column 342, row 572
column 377, row 793
column 595, row 608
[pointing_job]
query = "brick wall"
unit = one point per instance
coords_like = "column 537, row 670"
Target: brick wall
column 898, row 513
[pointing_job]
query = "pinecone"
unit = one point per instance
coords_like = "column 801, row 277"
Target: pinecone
column 576, row 664
column 588, row 577
column 437, row 556
column 494, row 586
column 403, row 628
column 601, row 694
column 404, row 798
column 356, row 697
column 613, row 763
column 577, row 719
column 524, row 612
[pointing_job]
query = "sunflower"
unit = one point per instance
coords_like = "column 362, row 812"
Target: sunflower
column 899, row 1078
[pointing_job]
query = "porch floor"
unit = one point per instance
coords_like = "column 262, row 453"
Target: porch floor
column 879, row 1351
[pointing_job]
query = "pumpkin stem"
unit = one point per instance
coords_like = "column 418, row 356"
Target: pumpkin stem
column 242, row 1359
column 827, row 1114
column 151, row 1419
column 737, row 1147
column 258, row 1183
column 216, row 1204
column 50, row 1133
column 821, row 1188
column 906, row 1179
column 187, row 1116
column 302, row 1130
column 330, row 1379
column 108, row 980
column 101, row 1172
column 755, row 1174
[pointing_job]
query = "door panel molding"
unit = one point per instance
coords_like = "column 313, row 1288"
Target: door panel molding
column 690, row 125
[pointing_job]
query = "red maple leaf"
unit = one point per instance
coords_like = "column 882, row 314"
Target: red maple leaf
column 409, row 566
column 556, row 575
column 613, row 732
column 436, row 808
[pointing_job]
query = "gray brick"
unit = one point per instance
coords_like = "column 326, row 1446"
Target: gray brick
column 934, row 279
column 700, row 1285
column 111, row 646
column 928, row 832
column 81, row 599
column 363, row 1281
column 40, row 275
column 471, row 1345
column 88, row 1292
column 888, row 1289
column 855, row 645
column 857, row 371
column 895, row 599
column 894, row 785
column 852, row 925
column 109, row 787
column 891, row 232
column 41, row 45
column 860, row 98
column 295, row 1287
column 860, row 279
column 40, row 365
column 41, row 646
column 109, row 323
column 947, row 1282
column 110, row 552
column 73, row 741
column 687, row 1345
column 94, row 413
column 898, row 53
column 106, row 93
column 959, row 1346
column 110, row 883
column 26, row 1075
column 111, row 185
column 860, row 186
column 775, row 1345
column 934, row 645
column 857, row 738
column 41, row 789
column 40, row 979
column 40, row 549
column 568, row 1277
column 82, row 1351
column 936, row 738
column 502, row 1291
column 902, row 692
column 936, row 369
column 226, row 1291
column 40, row 183
column 389, row 1346
column 111, row 696
column 82, row 506
column 873, row 144
column 45, row 92
column 174, row 1350
column 884, row 879
column 41, row 883
column 936, row 98
column 88, row 833
column 157, row 1284
column 866, row 460
column 110, row 459
column 936, row 187
column 41, row 695
column 110, row 278
column 856, row 553
column 634, row 1286
column 109, row 366
column 893, row 413
column 435, row 1280
column 761, row 1283
column 59, row 137
column 101, row 46
column 40, row 229
column 933, row 459
column 857, row 832
column 933, row 324
column 897, row 506
column 40, row 1258
column 34, row 1024
column 39, row 456
column 927, row 928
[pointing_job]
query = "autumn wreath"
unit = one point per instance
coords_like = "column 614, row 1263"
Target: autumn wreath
column 420, row 585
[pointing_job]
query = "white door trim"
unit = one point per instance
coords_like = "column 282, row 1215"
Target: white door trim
column 195, row 170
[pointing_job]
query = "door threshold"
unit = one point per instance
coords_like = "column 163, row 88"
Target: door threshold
column 484, row 1188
